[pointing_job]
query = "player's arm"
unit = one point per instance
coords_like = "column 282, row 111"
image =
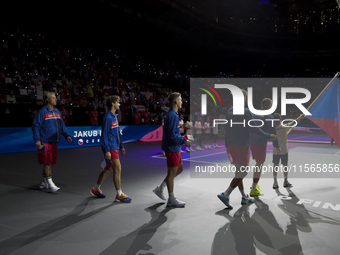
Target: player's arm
column 298, row 119
column 64, row 131
column 37, row 122
column 174, row 136
column 257, row 130
column 227, row 127
column 272, row 130
column 106, row 125
column 121, row 145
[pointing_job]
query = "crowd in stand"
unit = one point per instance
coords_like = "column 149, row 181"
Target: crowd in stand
column 33, row 65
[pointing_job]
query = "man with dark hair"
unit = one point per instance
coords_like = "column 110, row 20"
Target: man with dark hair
column 171, row 145
column 237, row 142
column 259, row 145
column 111, row 142
column 47, row 127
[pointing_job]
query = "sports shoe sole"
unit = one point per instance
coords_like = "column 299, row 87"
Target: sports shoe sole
column 54, row 190
column 93, row 194
column 43, row 186
column 248, row 202
column 256, row 195
column 222, row 198
column 154, row 191
column 123, row 201
column 175, row 205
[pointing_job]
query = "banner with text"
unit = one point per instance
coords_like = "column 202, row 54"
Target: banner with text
column 21, row 139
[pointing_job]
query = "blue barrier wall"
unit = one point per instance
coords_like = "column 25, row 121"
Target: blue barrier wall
column 21, row 139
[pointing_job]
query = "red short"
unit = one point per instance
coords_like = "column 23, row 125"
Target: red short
column 240, row 154
column 173, row 159
column 48, row 155
column 259, row 152
column 114, row 155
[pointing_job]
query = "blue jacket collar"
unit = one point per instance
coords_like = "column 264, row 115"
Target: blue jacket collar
column 48, row 109
column 172, row 109
column 113, row 114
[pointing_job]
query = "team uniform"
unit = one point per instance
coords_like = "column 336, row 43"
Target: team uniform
column 198, row 131
column 181, row 127
column 47, row 127
column 171, row 145
column 258, row 143
column 172, row 139
column 189, row 127
column 238, row 137
column 282, row 155
column 281, row 133
column 237, row 140
column 181, row 131
column 259, row 147
column 111, row 140
column 207, row 135
column 214, row 135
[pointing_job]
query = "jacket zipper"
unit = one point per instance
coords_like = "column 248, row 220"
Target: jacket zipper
column 118, row 133
column 56, row 122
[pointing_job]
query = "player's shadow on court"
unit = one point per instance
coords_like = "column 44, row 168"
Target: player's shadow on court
column 299, row 215
column 244, row 234
column 240, row 234
column 45, row 230
column 137, row 240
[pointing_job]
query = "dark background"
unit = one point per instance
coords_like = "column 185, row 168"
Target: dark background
column 187, row 32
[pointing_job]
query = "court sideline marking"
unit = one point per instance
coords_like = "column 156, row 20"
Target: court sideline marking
column 160, row 156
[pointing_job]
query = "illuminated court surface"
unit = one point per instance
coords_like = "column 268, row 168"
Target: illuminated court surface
column 302, row 220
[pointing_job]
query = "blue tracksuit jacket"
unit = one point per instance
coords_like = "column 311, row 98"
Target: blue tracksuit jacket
column 268, row 127
column 111, row 137
column 239, row 134
column 172, row 139
column 48, row 125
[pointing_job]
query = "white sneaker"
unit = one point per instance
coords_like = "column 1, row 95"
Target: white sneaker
column 53, row 188
column 181, row 151
column 175, row 203
column 43, row 185
column 191, row 149
column 198, row 148
column 216, row 146
column 187, row 150
column 159, row 192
